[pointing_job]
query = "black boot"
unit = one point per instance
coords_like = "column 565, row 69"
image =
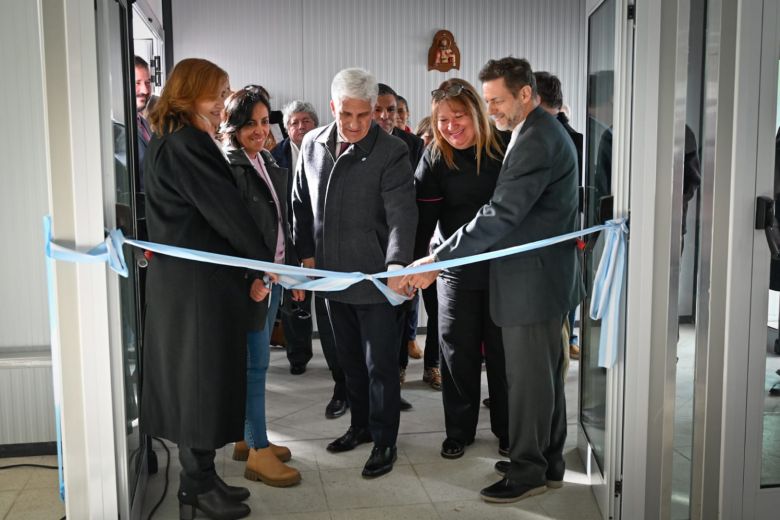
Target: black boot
column 213, row 504
column 232, row 493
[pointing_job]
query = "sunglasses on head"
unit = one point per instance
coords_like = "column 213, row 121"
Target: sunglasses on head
column 453, row 90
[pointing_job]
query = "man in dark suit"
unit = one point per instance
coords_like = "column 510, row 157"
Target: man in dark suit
column 385, row 111
column 548, row 87
column 535, row 198
column 143, row 91
column 355, row 210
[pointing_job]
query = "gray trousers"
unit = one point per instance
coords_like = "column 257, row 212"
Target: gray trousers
column 537, row 403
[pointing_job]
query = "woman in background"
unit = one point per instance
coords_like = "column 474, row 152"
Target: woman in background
column 263, row 186
column 194, row 357
column 455, row 178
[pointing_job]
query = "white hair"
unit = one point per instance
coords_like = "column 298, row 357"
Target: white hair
column 354, row 83
column 296, row 106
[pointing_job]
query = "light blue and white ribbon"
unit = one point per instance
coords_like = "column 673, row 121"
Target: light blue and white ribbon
column 605, row 302
column 607, row 291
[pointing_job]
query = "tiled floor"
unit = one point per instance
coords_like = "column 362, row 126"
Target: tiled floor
column 30, row 493
column 422, row 485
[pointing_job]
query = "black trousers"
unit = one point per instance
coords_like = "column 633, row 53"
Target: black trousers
column 297, row 325
column 465, row 329
column 367, row 343
column 197, row 470
column 431, row 301
column 537, row 402
column 328, row 342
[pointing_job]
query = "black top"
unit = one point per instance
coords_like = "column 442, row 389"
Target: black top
column 451, row 198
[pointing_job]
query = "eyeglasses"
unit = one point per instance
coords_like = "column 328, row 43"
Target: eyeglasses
column 453, row 90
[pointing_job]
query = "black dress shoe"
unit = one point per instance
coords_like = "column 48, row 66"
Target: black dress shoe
column 213, row 504
column 232, row 493
column 336, row 408
column 502, row 468
column 297, row 369
column 348, row 441
column 507, row 490
column 380, row 462
column 405, row 405
column 503, row 448
column 486, row 402
column 453, row 448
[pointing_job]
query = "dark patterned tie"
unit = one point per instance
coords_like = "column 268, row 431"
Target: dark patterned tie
column 142, row 128
column 342, row 147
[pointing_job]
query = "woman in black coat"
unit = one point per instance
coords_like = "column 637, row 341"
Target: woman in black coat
column 263, row 186
column 194, row 359
column 455, row 178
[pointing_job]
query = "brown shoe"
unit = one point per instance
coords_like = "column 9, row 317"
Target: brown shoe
column 241, row 451
column 414, row 350
column 574, row 351
column 263, row 465
column 432, row 376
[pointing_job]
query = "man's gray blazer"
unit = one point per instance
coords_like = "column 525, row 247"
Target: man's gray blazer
column 535, row 198
column 357, row 212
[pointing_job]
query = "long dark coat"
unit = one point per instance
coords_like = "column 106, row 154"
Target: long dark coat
column 194, row 359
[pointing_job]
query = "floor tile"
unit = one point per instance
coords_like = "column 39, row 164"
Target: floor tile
column 35, row 504
column 308, row 496
column 346, row 489
column 459, row 479
column 570, row 501
column 6, row 500
column 417, row 512
column 478, row 509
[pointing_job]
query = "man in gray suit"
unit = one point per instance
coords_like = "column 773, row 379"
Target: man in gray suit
column 354, row 210
column 535, row 198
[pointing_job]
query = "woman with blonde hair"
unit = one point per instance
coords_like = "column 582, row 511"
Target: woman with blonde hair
column 455, row 178
column 194, row 356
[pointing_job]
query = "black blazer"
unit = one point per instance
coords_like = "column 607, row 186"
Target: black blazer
column 535, row 198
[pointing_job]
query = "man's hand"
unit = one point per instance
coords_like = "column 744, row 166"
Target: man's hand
column 421, row 280
column 308, row 263
column 396, row 283
column 298, row 295
column 258, row 291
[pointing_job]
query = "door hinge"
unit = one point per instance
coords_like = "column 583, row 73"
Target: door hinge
column 631, row 11
column 618, row 487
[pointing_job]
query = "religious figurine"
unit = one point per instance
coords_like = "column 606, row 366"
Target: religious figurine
column 444, row 54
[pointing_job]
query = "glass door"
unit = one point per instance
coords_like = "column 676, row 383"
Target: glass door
column 605, row 195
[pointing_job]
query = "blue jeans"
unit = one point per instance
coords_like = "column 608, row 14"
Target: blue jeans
column 258, row 346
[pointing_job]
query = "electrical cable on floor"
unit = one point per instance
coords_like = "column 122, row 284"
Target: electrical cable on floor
column 165, row 488
column 44, row 466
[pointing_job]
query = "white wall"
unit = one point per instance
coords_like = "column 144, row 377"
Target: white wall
column 294, row 48
column 24, row 322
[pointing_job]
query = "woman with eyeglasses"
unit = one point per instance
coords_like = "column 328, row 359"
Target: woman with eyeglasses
column 196, row 313
column 455, row 178
column 263, row 186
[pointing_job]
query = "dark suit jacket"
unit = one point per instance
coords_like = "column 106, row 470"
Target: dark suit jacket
column 415, row 144
column 282, row 154
column 357, row 212
column 535, row 198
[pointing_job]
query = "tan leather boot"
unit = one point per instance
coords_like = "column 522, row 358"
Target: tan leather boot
column 282, row 452
column 264, row 466
column 241, row 451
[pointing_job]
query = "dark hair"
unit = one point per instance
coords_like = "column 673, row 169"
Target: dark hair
column 385, row 90
column 463, row 93
column 140, row 62
column 401, row 99
column 548, row 86
column 516, row 72
column 238, row 112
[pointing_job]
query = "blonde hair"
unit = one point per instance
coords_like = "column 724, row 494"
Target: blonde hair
column 192, row 80
column 485, row 137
